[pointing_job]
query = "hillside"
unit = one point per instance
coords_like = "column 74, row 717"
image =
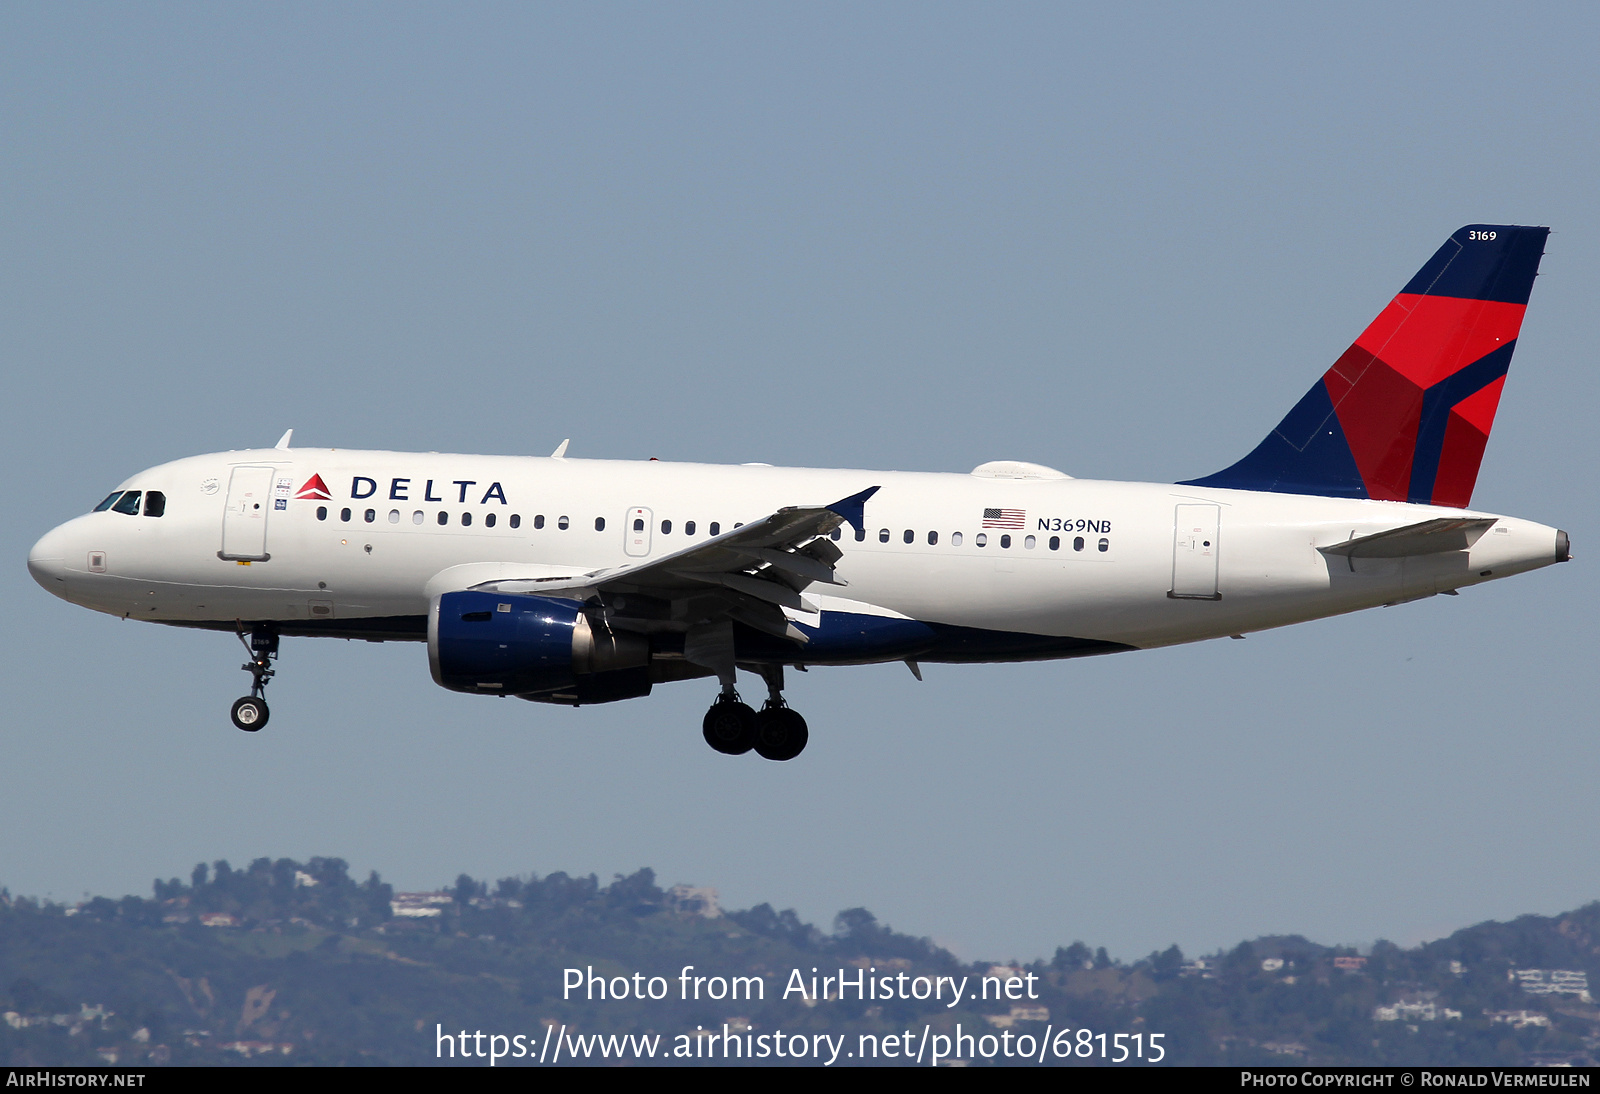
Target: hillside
column 285, row 962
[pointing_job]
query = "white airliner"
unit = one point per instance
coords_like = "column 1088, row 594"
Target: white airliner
column 585, row 581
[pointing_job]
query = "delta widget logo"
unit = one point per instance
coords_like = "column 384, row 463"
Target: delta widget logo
column 314, row 490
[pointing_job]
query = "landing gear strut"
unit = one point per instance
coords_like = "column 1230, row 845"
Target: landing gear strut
column 777, row 733
column 251, row 713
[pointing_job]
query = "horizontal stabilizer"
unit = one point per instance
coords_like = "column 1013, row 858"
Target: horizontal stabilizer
column 1431, row 537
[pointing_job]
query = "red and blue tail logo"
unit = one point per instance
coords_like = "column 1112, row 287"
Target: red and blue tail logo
column 1405, row 413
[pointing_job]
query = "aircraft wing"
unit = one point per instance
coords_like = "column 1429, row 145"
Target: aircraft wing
column 750, row 573
column 1426, row 538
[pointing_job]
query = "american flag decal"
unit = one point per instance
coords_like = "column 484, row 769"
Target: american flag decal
column 1005, row 518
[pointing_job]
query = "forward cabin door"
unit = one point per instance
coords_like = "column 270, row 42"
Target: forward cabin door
column 1195, row 545
column 636, row 533
column 244, row 521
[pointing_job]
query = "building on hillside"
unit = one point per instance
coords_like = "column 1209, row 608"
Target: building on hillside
column 694, row 900
column 1552, row 982
column 419, row 905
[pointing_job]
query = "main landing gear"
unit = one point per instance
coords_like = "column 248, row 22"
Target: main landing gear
column 251, row 713
column 776, row 733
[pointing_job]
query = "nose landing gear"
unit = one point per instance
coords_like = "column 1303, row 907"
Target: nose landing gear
column 250, row 713
column 777, row 733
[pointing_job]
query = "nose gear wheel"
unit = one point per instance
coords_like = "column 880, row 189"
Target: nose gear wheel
column 250, row 713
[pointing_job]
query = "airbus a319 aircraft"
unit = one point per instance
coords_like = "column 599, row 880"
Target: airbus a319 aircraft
column 587, row 581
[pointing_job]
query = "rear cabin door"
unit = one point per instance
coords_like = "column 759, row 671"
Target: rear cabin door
column 1194, row 552
column 244, row 521
column 636, row 533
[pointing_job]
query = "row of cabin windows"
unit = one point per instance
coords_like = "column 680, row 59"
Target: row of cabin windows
column 370, row 516
column 979, row 540
column 127, row 502
column 155, row 505
column 689, row 526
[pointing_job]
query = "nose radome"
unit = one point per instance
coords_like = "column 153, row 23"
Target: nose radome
column 47, row 561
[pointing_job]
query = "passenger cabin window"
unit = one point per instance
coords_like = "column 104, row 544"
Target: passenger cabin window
column 883, row 535
column 1005, row 541
column 1077, row 543
column 861, row 534
column 910, row 536
column 981, row 539
column 1055, row 543
column 955, row 539
column 933, row 537
column 666, row 527
column 638, row 524
column 155, row 503
column 444, row 518
column 1030, row 543
column 488, row 521
column 538, row 521
column 599, row 524
column 516, row 520
column 128, row 503
column 417, row 517
column 1105, row 545
column 110, row 498
column 563, row 524
column 466, row 520
column 394, row 516
column 344, row 514
column 716, row 528
column 688, row 527
column 370, row 515
column 322, row 512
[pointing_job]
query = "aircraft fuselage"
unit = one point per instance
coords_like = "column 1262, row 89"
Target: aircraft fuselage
column 1059, row 566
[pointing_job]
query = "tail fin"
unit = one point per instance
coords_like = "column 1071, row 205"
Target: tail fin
column 1405, row 413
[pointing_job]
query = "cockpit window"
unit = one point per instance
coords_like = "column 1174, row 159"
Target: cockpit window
column 155, row 503
column 128, row 503
column 111, row 497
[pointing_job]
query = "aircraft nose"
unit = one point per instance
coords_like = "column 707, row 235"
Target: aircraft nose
column 47, row 561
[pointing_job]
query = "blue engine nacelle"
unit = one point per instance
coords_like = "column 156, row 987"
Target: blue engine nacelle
column 532, row 646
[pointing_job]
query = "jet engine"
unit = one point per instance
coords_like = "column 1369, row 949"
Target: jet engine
column 534, row 647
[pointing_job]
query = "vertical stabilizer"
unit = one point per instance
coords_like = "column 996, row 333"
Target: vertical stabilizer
column 1405, row 413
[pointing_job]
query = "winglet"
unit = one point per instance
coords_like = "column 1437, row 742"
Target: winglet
column 283, row 441
column 561, row 450
column 853, row 509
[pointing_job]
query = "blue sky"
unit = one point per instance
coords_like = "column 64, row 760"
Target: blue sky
column 1117, row 240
